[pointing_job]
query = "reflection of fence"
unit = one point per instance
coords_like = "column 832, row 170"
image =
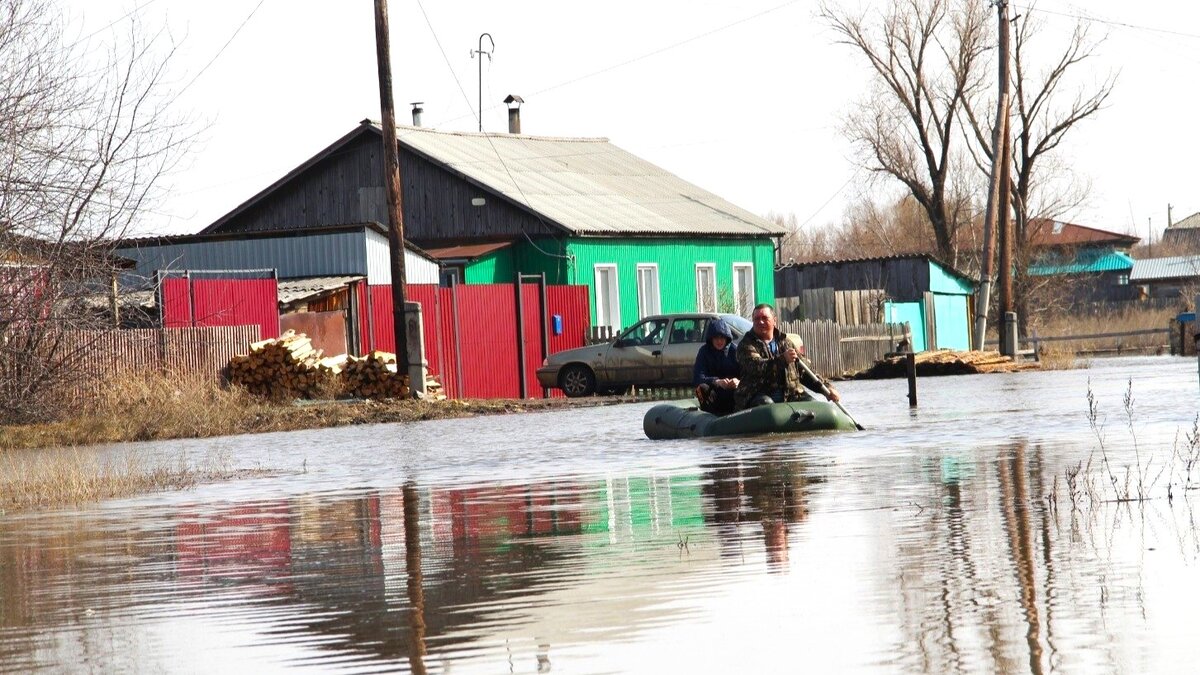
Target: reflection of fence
column 835, row 350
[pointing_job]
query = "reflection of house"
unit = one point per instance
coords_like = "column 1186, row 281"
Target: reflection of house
column 934, row 298
column 580, row 210
column 1167, row 277
column 1094, row 263
column 1184, row 236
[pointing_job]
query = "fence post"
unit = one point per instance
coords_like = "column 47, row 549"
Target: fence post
column 910, row 367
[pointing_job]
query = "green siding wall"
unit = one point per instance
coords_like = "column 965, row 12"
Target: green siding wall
column 676, row 260
column 494, row 268
column 941, row 281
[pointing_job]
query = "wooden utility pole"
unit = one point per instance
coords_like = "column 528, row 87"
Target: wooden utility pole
column 391, row 172
column 997, row 204
column 1004, row 223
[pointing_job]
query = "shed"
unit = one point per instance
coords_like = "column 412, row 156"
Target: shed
column 933, row 297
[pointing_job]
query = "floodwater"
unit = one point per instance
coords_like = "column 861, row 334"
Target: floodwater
column 956, row 537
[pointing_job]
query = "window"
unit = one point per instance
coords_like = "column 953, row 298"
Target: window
column 648, row 295
column 608, row 300
column 688, row 331
column 647, row 333
column 743, row 288
column 1123, row 279
column 706, row 287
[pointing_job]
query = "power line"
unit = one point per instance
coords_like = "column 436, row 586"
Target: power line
column 1117, row 24
column 224, row 46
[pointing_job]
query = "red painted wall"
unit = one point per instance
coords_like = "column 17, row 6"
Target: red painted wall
column 221, row 302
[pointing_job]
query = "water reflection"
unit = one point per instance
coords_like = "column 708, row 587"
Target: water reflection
column 896, row 550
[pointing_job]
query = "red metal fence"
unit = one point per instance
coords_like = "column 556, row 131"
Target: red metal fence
column 470, row 332
column 191, row 302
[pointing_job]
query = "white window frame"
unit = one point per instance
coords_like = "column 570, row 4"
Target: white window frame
column 712, row 269
column 649, row 300
column 608, row 298
column 737, row 289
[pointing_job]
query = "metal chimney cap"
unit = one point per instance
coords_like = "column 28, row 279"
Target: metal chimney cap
column 513, row 98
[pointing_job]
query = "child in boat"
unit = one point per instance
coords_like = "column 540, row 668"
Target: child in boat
column 716, row 371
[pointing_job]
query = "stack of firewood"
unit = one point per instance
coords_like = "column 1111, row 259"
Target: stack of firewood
column 946, row 362
column 374, row 376
column 433, row 389
column 283, row 367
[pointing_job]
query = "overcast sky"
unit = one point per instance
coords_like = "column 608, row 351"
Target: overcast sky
column 744, row 99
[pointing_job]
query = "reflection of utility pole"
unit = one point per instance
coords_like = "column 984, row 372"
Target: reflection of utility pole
column 412, row 565
column 480, row 53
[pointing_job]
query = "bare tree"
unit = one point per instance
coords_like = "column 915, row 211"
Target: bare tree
column 1046, row 106
column 85, row 139
column 925, row 57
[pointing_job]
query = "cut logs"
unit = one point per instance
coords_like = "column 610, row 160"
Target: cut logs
column 945, row 362
column 374, row 376
column 283, row 367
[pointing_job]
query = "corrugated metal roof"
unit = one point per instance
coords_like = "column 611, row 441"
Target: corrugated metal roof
column 588, row 186
column 880, row 258
column 1046, row 232
column 293, row 290
column 1191, row 221
column 1085, row 262
column 1174, row 267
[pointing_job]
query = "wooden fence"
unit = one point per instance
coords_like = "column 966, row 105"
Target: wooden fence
column 849, row 308
column 103, row 355
column 835, row 350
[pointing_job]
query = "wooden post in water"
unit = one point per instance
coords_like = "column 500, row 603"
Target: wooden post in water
column 910, row 367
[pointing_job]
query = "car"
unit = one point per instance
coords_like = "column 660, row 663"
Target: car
column 658, row 351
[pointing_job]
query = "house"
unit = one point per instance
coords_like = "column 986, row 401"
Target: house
column 1173, row 277
column 933, row 297
column 1093, row 263
column 580, row 211
column 1184, row 236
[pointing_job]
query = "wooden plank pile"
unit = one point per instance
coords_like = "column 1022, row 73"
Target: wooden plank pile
column 945, row 362
column 283, row 367
column 374, row 376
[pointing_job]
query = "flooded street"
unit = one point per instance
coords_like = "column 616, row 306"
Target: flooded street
column 956, row 537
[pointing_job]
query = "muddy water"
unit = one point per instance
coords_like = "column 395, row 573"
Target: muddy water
column 955, row 537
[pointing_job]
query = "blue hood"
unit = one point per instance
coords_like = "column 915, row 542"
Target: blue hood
column 717, row 327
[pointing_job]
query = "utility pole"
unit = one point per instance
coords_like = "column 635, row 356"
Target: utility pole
column 997, row 203
column 479, row 52
column 391, row 171
column 1150, row 233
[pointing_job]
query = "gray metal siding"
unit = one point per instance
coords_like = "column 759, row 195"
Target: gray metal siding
column 417, row 270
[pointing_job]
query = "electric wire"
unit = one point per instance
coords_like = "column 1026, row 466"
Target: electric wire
column 224, row 46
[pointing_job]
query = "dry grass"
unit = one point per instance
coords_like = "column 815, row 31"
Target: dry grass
column 1059, row 357
column 74, row 476
column 164, row 407
column 1123, row 321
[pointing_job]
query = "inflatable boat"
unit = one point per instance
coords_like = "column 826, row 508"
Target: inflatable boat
column 685, row 419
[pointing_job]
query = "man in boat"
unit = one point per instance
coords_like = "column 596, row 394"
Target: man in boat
column 715, row 373
column 768, row 360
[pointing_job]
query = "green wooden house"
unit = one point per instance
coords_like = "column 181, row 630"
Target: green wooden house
column 491, row 207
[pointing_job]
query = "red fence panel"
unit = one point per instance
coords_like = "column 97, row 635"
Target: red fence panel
column 470, row 333
column 191, row 302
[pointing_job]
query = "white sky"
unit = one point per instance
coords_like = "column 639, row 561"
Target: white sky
column 744, row 99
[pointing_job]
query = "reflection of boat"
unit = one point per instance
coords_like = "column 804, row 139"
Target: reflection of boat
column 684, row 419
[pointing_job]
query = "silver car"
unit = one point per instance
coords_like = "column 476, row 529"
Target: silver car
column 657, row 351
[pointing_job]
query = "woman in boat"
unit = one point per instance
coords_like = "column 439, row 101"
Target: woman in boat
column 715, row 373
column 766, row 358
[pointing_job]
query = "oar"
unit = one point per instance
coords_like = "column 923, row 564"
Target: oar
column 825, row 390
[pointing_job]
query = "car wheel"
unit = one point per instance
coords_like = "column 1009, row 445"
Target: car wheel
column 577, row 380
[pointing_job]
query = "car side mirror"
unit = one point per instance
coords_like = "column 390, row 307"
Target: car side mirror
column 620, row 344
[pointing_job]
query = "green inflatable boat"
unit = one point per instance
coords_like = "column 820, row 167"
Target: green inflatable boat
column 685, row 419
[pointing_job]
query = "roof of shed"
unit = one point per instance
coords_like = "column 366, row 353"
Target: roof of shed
column 293, row 290
column 1174, row 267
column 1047, row 232
column 885, row 258
column 1192, row 221
column 466, row 251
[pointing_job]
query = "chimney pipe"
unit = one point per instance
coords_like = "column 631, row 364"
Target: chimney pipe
column 416, row 112
column 514, row 113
